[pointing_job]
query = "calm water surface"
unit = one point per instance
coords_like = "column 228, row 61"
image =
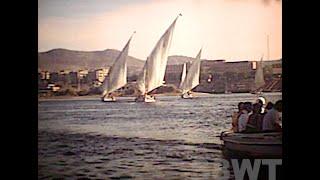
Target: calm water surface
column 173, row 138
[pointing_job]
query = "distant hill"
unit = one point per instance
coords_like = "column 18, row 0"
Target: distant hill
column 64, row 59
column 173, row 60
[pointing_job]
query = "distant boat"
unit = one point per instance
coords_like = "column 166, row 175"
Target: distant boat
column 117, row 75
column 252, row 145
column 153, row 72
column 226, row 90
column 259, row 78
column 191, row 79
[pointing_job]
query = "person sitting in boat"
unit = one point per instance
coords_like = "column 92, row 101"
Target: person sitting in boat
column 111, row 95
column 235, row 117
column 262, row 100
column 255, row 119
column 269, row 106
column 152, row 96
column 271, row 121
column 243, row 118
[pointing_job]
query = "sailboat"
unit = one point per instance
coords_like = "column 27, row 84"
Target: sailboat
column 226, row 89
column 191, row 79
column 259, row 77
column 117, row 75
column 152, row 75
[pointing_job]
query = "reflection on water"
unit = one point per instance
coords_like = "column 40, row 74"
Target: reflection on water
column 172, row 138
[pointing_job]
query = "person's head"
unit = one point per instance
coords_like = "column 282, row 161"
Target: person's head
column 269, row 106
column 256, row 108
column 240, row 106
column 278, row 106
column 247, row 106
column 261, row 100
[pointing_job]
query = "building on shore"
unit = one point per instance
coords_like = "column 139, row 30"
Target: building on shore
column 100, row 74
column 220, row 76
column 44, row 75
column 173, row 74
column 216, row 76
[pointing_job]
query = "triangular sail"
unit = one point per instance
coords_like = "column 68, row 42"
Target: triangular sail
column 156, row 63
column 117, row 76
column 193, row 75
column 141, row 84
column 259, row 78
column 183, row 75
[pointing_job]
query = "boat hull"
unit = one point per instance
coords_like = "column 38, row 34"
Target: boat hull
column 252, row 145
column 186, row 96
column 146, row 98
column 108, row 99
column 257, row 92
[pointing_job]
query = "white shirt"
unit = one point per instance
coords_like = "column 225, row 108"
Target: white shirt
column 270, row 119
column 243, row 119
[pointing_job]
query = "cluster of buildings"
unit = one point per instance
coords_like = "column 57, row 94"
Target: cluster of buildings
column 220, row 76
column 81, row 79
column 216, row 76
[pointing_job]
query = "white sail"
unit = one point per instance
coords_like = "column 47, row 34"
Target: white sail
column 193, row 75
column 156, row 63
column 141, row 84
column 184, row 73
column 117, row 76
column 259, row 78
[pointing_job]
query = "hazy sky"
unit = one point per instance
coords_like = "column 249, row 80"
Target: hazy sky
column 227, row 29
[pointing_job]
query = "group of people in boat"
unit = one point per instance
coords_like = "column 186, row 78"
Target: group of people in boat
column 254, row 118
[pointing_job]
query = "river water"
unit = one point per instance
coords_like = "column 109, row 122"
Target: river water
column 173, row 138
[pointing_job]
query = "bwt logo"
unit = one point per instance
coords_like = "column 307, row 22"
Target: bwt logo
column 252, row 170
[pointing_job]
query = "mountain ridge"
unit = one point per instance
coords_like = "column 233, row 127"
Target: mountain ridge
column 65, row 59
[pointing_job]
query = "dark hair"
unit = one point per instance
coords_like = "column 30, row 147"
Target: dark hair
column 278, row 105
column 260, row 101
column 247, row 106
column 269, row 105
column 240, row 105
column 256, row 107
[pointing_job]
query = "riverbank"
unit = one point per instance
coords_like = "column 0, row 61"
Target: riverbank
column 93, row 97
column 97, row 97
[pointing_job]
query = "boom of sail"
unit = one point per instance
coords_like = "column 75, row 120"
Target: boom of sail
column 191, row 79
column 117, row 76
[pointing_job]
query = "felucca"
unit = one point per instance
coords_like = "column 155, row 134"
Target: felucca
column 191, row 79
column 117, row 75
column 153, row 72
column 259, row 77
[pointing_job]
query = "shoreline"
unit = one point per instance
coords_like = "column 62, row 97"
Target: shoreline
column 97, row 97
column 87, row 97
column 93, row 97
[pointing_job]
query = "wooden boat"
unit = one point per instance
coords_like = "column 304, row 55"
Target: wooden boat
column 187, row 95
column 259, row 78
column 145, row 98
column 152, row 75
column 117, row 75
column 108, row 99
column 191, row 79
column 252, row 145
